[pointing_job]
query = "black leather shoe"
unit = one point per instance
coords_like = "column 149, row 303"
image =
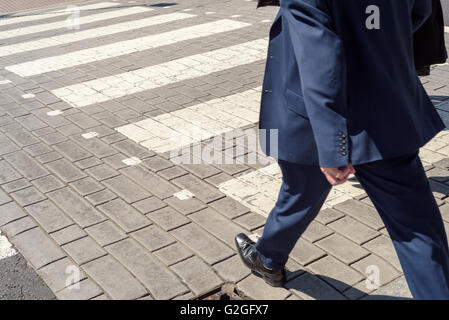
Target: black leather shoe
column 251, row 259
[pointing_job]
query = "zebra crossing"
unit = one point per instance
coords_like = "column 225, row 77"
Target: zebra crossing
column 171, row 130
column 106, row 108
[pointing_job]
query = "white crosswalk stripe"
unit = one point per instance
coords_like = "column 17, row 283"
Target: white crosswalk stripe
column 181, row 128
column 446, row 29
column 82, row 20
column 258, row 190
column 121, row 48
column 87, row 34
column 59, row 13
column 116, row 86
column 6, row 249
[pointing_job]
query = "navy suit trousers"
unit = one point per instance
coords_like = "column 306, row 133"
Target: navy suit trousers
column 400, row 191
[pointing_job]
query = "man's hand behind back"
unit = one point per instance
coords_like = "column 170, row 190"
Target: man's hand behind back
column 337, row 176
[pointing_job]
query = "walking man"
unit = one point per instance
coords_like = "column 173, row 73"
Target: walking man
column 342, row 96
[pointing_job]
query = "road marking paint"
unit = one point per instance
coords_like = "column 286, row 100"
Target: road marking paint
column 63, row 24
column 132, row 161
column 62, row 12
column 116, row 49
column 116, row 86
column 181, row 128
column 89, row 135
column 6, row 249
column 184, row 194
column 90, row 33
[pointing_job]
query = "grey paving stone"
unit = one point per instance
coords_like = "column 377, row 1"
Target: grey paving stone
column 83, row 120
column 168, row 218
column 95, row 146
column 129, row 287
column 48, row 183
column 232, row 269
column 57, row 275
column 329, row 215
column 88, row 163
column 18, row 226
column 354, row 230
column 16, row 185
column 68, row 234
column 229, row 207
column 336, row 273
column 186, row 206
column 361, row 212
column 7, row 173
column 394, row 290
column 383, row 247
column 101, row 197
column 66, row 171
column 86, row 186
column 202, row 171
column 27, row 196
column 4, row 198
column 200, row 189
column 172, row 172
column 37, row 247
column 10, row 212
column 72, row 151
column 53, row 138
column 48, row 157
column 128, row 218
column 439, row 190
column 257, row 289
column 357, row 291
column 202, row 243
column 386, row 272
column 159, row 280
column 157, row 163
column 37, row 149
column 304, row 252
column 102, row 297
column 173, row 254
column 149, row 204
column 102, row 172
column 28, row 167
column 76, row 207
column 342, row 248
column 50, row 217
column 84, row 250
column 21, row 137
column 251, row 221
column 30, row 122
column 221, row 227
column 151, row 181
column 444, row 209
column 132, row 149
column 316, row 231
column 153, row 237
column 199, row 276
column 6, row 145
column 116, row 161
column 84, row 290
column 311, row 287
column 126, row 189
column 106, row 233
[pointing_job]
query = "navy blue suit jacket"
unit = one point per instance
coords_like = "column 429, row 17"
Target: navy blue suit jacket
column 339, row 90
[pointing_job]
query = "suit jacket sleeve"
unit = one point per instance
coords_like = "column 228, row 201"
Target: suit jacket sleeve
column 321, row 62
column 422, row 9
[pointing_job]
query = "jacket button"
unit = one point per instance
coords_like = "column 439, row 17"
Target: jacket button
column 271, row 57
column 267, row 91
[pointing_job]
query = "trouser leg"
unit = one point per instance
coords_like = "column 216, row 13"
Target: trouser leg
column 303, row 192
column 400, row 191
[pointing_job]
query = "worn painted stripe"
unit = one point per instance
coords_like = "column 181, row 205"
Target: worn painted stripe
column 181, row 128
column 121, row 48
column 6, row 249
column 258, row 190
column 90, row 34
column 82, row 20
column 62, row 12
column 111, row 87
column 446, row 29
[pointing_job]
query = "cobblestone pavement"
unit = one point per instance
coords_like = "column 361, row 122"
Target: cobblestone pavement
column 13, row 6
column 88, row 120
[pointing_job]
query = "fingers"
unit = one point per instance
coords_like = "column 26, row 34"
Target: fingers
column 337, row 176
